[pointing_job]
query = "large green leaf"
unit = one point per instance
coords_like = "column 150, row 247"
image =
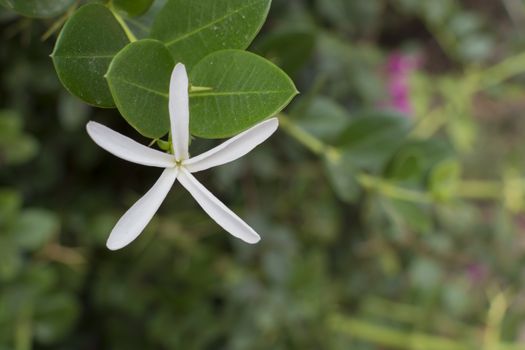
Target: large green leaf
column 246, row 89
column 84, row 49
column 139, row 79
column 193, row 29
column 38, row 8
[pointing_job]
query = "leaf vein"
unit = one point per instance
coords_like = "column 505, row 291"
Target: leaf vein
column 207, row 25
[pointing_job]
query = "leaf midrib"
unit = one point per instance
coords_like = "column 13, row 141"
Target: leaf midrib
column 142, row 87
column 233, row 93
column 197, row 30
column 203, row 94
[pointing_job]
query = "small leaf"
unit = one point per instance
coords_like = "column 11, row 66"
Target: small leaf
column 289, row 49
column 55, row 317
column 342, row 176
column 84, row 50
column 10, row 204
column 38, row 8
column 246, row 89
column 133, row 8
column 445, row 179
column 34, row 228
column 413, row 160
column 373, row 138
column 139, row 79
column 193, row 29
column 323, row 118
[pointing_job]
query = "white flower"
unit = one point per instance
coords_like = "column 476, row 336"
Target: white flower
column 179, row 166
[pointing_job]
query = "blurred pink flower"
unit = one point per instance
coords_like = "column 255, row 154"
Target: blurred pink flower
column 398, row 68
column 476, row 273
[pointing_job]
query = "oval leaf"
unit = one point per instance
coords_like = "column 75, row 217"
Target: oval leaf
column 193, row 29
column 84, row 49
column 139, row 79
column 38, row 8
column 246, row 89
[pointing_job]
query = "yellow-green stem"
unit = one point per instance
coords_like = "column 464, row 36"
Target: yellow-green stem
column 120, row 20
column 308, row 140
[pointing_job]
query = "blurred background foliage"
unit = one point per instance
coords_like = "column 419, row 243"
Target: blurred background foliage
column 390, row 203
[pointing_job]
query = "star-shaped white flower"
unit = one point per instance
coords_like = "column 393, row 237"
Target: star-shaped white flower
column 179, row 166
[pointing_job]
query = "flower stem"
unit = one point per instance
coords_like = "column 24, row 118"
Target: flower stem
column 392, row 191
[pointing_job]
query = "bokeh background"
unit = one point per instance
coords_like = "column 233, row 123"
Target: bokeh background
column 390, row 203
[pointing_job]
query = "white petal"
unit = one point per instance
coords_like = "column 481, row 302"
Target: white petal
column 125, row 148
column 234, row 148
column 227, row 219
column 139, row 215
column 179, row 111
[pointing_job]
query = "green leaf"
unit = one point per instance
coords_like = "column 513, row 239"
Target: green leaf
column 323, row 118
column 10, row 204
column 84, row 49
column 193, row 29
column 246, row 89
column 413, row 160
column 444, row 179
column 342, row 176
column 132, row 8
column 15, row 146
column 37, row 8
column 373, row 138
column 289, row 49
column 55, row 317
column 139, row 79
column 34, row 228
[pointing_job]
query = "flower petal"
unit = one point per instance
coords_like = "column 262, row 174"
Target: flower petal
column 227, row 219
column 133, row 222
column 179, row 111
column 125, row 148
column 234, row 148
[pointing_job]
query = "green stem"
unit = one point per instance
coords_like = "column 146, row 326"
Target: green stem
column 122, row 23
column 468, row 189
column 477, row 189
column 308, row 140
column 23, row 332
column 502, row 71
column 392, row 191
column 403, row 339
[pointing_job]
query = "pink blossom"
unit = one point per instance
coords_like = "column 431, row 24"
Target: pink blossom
column 398, row 69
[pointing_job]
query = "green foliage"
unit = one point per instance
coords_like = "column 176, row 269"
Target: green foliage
column 380, row 229
column 15, row 146
column 236, row 82
column 239, row 82
column 83, row 51
column 289, row 49
column 141, row 95
column 193, row 29
column 95, row 61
